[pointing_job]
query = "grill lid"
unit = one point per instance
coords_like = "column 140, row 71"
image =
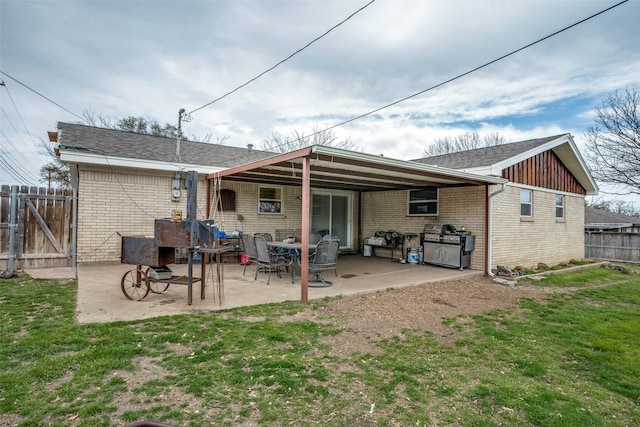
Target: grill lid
column 440, row 229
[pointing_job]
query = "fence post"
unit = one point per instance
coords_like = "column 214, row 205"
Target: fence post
column 13, row 229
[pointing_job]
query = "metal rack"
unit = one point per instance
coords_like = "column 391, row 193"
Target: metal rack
column 197, row 236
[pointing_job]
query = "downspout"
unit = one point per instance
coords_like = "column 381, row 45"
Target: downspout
column 358, row 249
column 490, row 227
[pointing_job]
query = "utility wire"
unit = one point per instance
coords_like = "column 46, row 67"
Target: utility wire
column 8, row 153
column 19, row 115
column 41, row 95
column 286, row 59
column 459, row 76
column 12, row 168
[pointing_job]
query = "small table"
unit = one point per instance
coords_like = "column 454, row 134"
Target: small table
column 293, row 248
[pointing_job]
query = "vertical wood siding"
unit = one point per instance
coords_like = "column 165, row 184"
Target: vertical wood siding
column 544, row 170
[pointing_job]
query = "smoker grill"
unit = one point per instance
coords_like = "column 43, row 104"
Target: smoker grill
column 444, row 245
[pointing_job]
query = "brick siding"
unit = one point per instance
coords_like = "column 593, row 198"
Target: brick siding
column 519, row 241
column 118, row 204
column 460, row 206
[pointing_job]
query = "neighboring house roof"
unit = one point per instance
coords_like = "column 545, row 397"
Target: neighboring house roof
column 87, row 144
column 604, row 220
column 492, row 160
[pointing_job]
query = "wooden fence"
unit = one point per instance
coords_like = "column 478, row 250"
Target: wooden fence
column 612, row 246
column 42, row 227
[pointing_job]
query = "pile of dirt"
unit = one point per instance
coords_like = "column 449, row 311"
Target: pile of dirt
column 380, row 315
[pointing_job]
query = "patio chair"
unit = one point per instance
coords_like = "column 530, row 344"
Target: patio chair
column 250, row 250
column 267, row 261
column 324, row 258
column 330, row 237
column 267, row 236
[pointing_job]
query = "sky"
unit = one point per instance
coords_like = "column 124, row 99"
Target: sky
column 149, row 59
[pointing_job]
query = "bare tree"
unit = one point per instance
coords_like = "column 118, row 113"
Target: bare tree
column 463, row 142
column 144, row 125
column 296, row 139
column 614, row 205
column 613, row 142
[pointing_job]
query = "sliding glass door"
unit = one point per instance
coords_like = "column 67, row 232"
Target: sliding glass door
column 331, row 214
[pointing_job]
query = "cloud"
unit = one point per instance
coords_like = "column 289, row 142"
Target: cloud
column 151, row 59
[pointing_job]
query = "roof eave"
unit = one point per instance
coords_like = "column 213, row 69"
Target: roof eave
column 79, row 157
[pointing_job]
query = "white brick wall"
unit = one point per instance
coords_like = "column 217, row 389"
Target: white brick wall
column 524, row 242
column 460, row 206
column 112, row 204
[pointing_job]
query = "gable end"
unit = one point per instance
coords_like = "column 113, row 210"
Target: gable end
column 544, row 170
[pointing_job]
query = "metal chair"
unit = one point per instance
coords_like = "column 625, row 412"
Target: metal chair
column 330, row 237
column 250, row 250
column 267, row 236
column 324, row 258
column 267, row 261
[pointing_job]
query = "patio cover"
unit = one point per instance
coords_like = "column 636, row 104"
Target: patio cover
column 320, row 166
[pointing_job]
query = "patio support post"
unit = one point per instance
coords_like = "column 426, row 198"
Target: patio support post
column 306, row 214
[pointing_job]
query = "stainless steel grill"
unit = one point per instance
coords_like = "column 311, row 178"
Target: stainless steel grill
column 452, row 239
column 444, row 245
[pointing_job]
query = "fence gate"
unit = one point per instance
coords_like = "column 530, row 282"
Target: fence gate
column 36, row 227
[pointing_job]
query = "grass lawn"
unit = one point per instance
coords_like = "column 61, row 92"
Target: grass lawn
column 571, row 359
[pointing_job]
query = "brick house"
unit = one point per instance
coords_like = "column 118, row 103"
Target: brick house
column 511, row 197
column 539, row 217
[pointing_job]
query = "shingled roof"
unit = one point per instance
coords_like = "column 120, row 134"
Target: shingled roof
column 129, row 145
column 598, row 218
column 486, row 156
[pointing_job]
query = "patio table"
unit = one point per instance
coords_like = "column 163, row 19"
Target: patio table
column 294, row 250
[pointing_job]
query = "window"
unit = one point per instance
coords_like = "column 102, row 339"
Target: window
column 526, row 203
column 423, row 201
column 559, row 207
column 270, row 200
column 227, row 200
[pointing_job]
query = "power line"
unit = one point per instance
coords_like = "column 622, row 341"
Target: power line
column 286, row 59
column 19, row 115
column 459, row 76
column 13, row 169
column 41, row 95
column 8, row 153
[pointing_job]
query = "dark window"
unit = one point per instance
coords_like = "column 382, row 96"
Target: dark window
column 423, row 201
column 227, row 200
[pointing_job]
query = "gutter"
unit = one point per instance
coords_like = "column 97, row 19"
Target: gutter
column 490, row 227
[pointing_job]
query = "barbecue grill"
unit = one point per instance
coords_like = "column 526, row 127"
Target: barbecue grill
column 446, row 246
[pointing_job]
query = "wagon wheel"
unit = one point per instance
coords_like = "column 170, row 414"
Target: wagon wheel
column 135, row 284
column 156, row 287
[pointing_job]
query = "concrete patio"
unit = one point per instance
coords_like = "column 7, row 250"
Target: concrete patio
column 100, row 298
